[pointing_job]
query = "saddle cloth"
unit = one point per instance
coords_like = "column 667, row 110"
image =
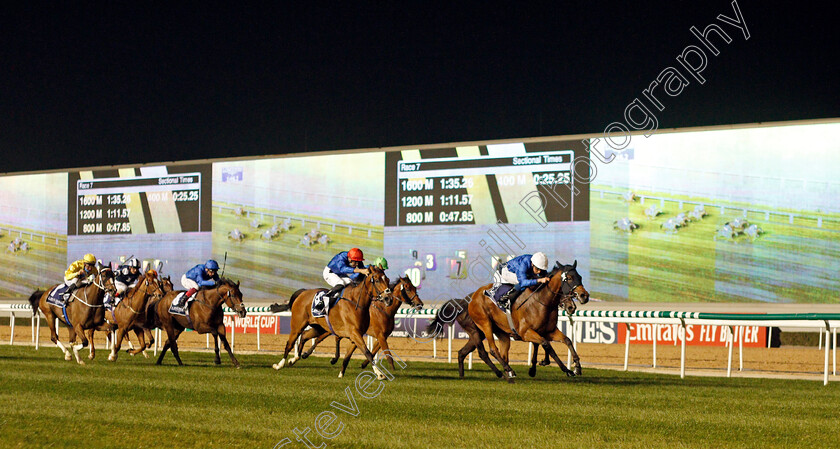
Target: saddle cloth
column 176, row 308
column 56, row 296
column 497, row 291
column 320, row 307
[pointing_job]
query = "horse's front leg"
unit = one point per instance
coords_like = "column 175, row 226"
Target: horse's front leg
column 556, row 335
column 223, row 337
column 92, row 354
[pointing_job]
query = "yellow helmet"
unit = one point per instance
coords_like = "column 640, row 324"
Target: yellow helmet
column 89, row 258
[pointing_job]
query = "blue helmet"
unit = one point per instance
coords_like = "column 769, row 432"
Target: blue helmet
column 211, row 265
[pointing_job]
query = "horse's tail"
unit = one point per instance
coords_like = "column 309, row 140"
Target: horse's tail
column 458, row 307
column 284, row 307
column 34, row 299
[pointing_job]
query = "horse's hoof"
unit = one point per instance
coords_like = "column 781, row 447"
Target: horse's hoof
column 545, row 363
column 511, row 380
column 68, row 357
column 145, row 355
column 279, row 364
column 340, row 375
column 82, row 362
column 90, row 357
column 364, row 364
column 578, row 371
column 533, row 371
column 332, row 361
column 570, row 373
column 304, row 355
column 111, row 358
column 237, row 366
column 217, row 362
column 292, row 361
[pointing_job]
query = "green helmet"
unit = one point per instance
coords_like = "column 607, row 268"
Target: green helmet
column 381, row 263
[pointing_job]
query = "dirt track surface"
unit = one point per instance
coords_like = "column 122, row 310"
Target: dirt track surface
column 793, row 362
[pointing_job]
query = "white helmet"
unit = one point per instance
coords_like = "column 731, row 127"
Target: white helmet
column 540, row 260
column 133, row 262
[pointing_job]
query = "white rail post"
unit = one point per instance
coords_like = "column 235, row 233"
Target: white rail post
column 827, row 335
column 469, row 366
column 819, row 345
column 834, row 350
column 451, row 336
column 207, row 341
column 32, row 326
column 655, row 337
column 12, row 323
column 157, row 340
column 37, row 330
column 434, row 347
column 741, row 332
column 258, row 333
column 682, row 353
column 729, row 343
column 626, row 344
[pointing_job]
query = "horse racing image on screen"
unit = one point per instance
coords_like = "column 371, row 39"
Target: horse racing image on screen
column 280, row 221
column 33, row 233
column 744, row 215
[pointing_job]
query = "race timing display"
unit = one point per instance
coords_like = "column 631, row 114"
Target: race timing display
column 480, row 190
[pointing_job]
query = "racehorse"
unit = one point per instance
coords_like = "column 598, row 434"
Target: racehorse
column 130, row 313
column 83, row 311
column 534, row 314
column 348, row 318
column 381, row 325
column 205, row 315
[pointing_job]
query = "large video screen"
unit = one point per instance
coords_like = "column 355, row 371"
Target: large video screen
column 155, row 213
column 743, row 215
column 731, row 215
column 280, row 221
column 455, row 213
column 33, row 232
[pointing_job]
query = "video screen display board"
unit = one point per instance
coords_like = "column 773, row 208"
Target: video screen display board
column 153, row 213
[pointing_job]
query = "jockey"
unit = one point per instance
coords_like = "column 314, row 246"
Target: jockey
column 205, row 275
column 345, row 267
column 126, row 277
column 381, row 263
column 521, row 272
column 79, row 273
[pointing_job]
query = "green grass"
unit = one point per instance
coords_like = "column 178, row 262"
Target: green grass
column 52, row 403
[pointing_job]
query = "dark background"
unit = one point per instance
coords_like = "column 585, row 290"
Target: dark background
column 149, row 82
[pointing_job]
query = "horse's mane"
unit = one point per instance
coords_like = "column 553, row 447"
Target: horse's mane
column 227, row 281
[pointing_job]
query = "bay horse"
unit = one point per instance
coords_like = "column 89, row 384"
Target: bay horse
column 130, row 313
column 348, row 318
column 84, row 311
column 381, row 324
column 205, row 315
column 534, row 314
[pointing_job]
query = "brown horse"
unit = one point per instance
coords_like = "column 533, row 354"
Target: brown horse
column 534, row 314
column 381, row 325
column 205, row 315
column 130, row 313
column 348, row 318
column 84, row 310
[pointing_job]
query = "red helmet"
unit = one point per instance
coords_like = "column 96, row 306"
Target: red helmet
column 355, row 254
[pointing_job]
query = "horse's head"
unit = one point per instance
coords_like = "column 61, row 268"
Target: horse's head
column 566, row 281
column 152, row 284
column 166, row 284
column 232, row 296
column 408, row 293
column 104, row 279
column 378, row 283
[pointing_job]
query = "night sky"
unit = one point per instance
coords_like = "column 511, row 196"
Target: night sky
column 146, row 82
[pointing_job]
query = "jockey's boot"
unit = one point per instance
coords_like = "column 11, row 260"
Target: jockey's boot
column 335, row 291
column 508, row 298
column 108, row 302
